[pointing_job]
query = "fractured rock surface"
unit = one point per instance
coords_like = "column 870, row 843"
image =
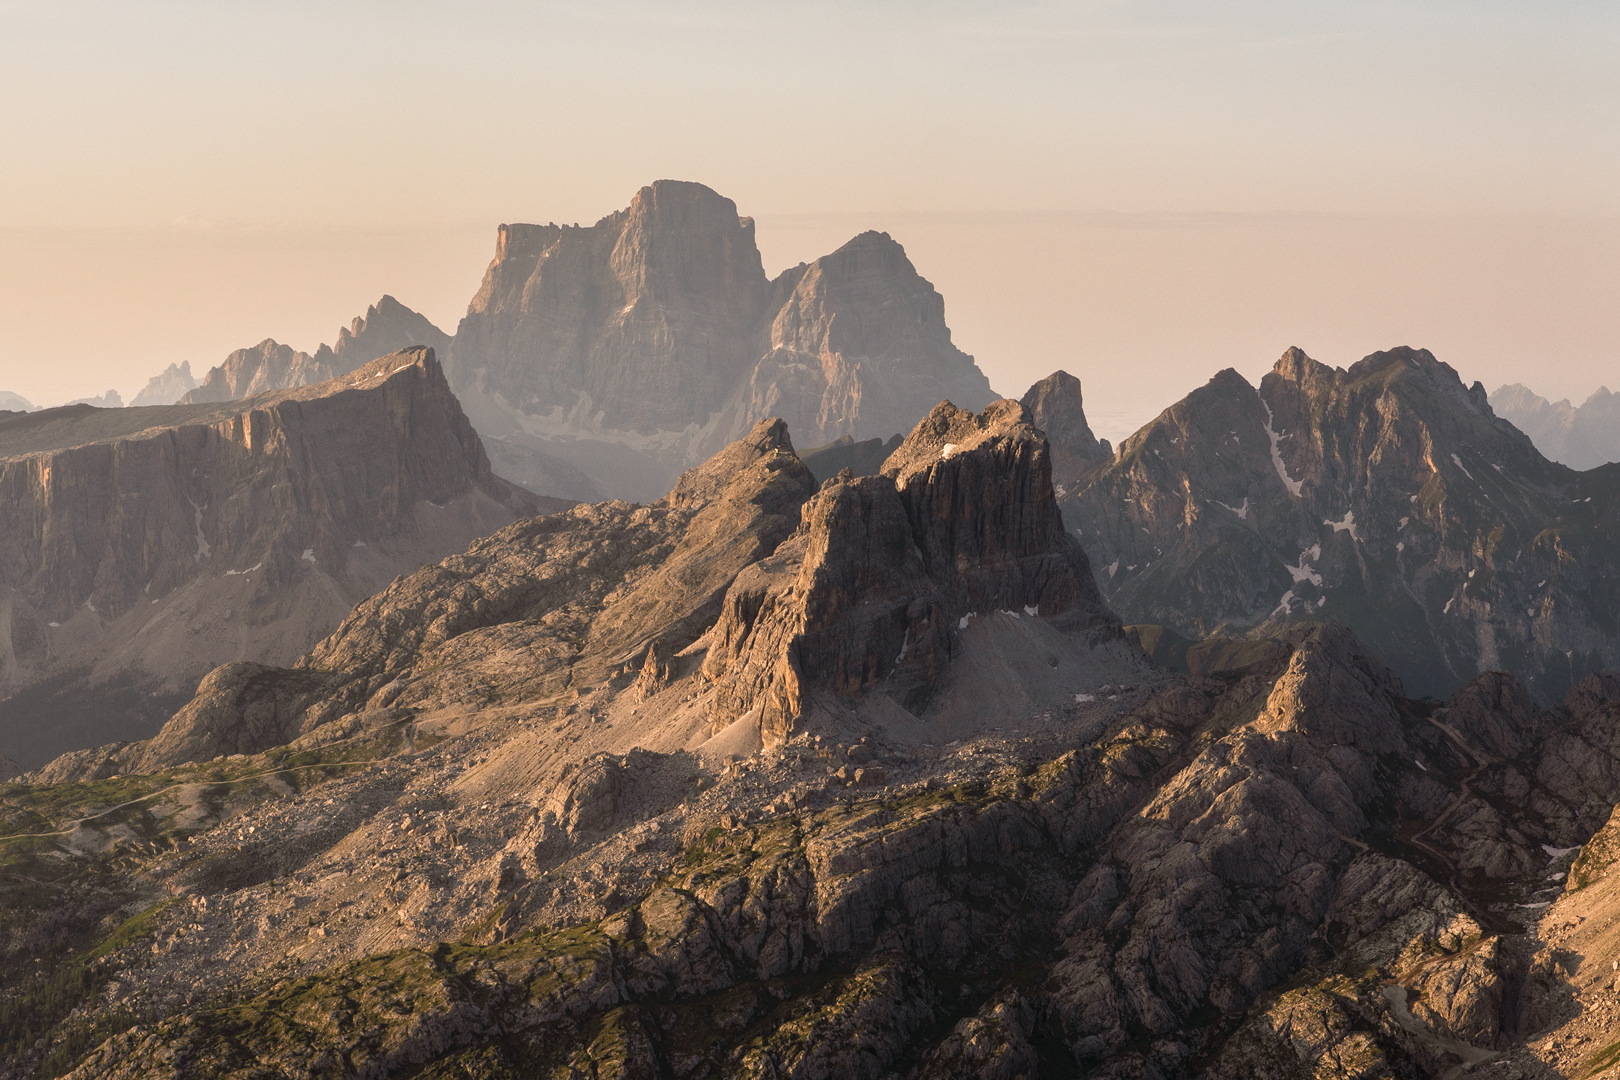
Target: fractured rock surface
column 1387, row 497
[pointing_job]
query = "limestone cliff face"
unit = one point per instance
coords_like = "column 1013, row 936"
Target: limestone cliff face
column 886, row 570
column 168, row 539
column 641, row 345
column 387, row 326
column 856, row 344
column 1387, row 497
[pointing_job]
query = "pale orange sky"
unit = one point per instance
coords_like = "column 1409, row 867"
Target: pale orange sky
column 1139, row 193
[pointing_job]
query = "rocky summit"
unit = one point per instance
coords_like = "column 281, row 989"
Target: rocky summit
column 141, row 547
column 1387, row 497
column 618, row 354
column 387, row 327
column 774, row 777
column 1581, row 436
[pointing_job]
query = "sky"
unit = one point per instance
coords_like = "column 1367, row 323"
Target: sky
column 1139, row 193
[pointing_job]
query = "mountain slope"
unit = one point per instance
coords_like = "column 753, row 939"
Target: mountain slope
column 160, row 541
column 1582, row 437
column 387, row 327
column 636, row 347
column 1387, row 497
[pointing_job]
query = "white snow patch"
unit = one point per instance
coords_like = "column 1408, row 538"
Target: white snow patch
column 1276, row 453
column 1241, row 511
column 91, row 606
column 308, row 555
column 1420, row 764
column 1303, row 572
column 1404, row 520
column 1557, row 852
column 1539, row 584
column 1458, row 462
column 962, row 623
column 1401, row 546
column 1081, row 699
column 1032, row 611
column 359, row 543
column 55, row 624
column 1471, row 573
column 249, row 570
column 1285, row 606
column 1014, row 614
column 1447, row 609
column 905, row 644
column 1113, row 567
column 1345, row 524
column 1542, row 904
column 946, row 451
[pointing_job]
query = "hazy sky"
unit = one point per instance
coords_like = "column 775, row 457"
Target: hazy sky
column 1141, row 193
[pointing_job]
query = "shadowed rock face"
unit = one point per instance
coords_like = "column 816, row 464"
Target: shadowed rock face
column 1057, row 407
column 872, row 587
column 1387, row 497
column 638, row 346
column 167, row 539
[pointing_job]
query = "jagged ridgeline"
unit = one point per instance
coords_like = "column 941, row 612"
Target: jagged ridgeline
column 141, row 547
column 1387, row 497
column 857, row 778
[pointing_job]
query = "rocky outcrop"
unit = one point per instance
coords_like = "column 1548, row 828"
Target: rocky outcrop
column 109, row 400
column 884, row 570
column 164, row 540
column 1057, row 407
column 857, row 345
column 174, row 383
column 638, row 346
column 1581, row 436
column 1388, row 497
column 387, row 327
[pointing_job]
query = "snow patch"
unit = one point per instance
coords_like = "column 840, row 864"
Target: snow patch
column 1303, row 572
column 1113, row 567
column 308, row 555
column 946, row 451
column 1285, row 606
column 962, row 623
column 1032, row 611
column 1081, row 699
column 1241, row 511
column 1276, row 453
column 249, row 570
column 1404, row 520
column 905, row 644
column 1447, row 609
column 1557, row 852
column 54, row 624
column 1457, row 461
column 1401, row 546
column 1345, row 524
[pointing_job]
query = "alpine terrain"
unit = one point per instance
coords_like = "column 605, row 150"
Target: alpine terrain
column 1388, row 498
column 773, row 777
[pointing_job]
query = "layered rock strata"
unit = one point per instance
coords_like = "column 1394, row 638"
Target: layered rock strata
column 1387, row 497
column 164, row 540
